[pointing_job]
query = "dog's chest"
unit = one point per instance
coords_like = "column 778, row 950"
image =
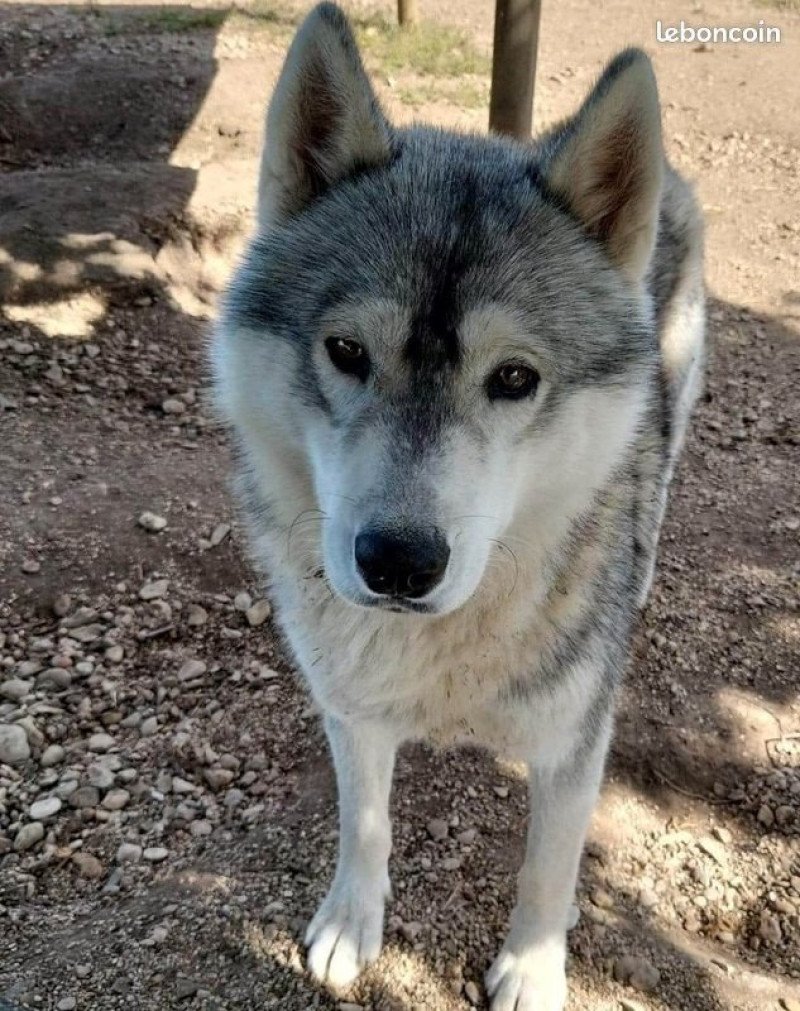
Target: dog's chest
column 445, row 681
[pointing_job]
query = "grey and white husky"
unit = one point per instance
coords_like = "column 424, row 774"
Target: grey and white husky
column 459, row 370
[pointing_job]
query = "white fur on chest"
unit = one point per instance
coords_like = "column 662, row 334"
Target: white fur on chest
column 442, row 680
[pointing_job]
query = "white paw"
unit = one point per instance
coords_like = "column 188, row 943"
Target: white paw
column 345, row 935
column 534, row 981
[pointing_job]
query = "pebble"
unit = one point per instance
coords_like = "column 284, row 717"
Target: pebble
column 472, row 993
column 15, row 689
column 52, row 755
column 28, row 836
column 115, row 654
column 151, row 522
column 765, row 816
column 451, row 863
column 54, row 677
column 626, row 1004
column 115, row 800
column 88, row 865
column 192, row 669
column 243, row 601
column 173, row 406
column 100, row 775
column 769, row 928
column 196, row 616
column 66, row 1004
column 601, row 898
column 411, row 930
column 47, row 807
column 219, row 533
column 30, row 566
column 218, row 779
column 637, row 972
column 790, row 1003
column 62, row 605
column 85, row 796
column 128, row 853
column 101, row 743
column 155, row 854
column 501, row 791
column 14, row 746
column 258, row 613
column 149, row 726
column 713, row 847
column 154, row 590
column 438, row 829
column 200, row 828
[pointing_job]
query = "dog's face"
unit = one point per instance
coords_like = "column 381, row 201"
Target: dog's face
column 451, row 332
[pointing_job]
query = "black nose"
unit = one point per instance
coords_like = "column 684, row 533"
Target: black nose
column 401, row 565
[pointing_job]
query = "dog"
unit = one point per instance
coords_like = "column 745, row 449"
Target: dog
column 459, row 371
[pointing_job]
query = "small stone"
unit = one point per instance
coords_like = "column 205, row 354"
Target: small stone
column 180, row 785
column 769, row 928
column 723, row 834
column 200, row 828
column 648, row 898
column 115, row 654
column 52, row 755
column 626, row 1004
column 790, row 1003
column 62, row 605
column 47, row 807
column 601, row 898
column 88, row 865
column 14, row 746
column 186, row 988
column 101, row 743
column 54, row 677
column 151, row 522
column 472, row 993
column 438, row 829
column 219, row 533
column 15, row 689
column 149, row 726
column 713, row 847
column 451, row 863
column 411, row 930
column 155, row 854
column 258, row 613
column 243, row 601
column 115, row 800
column 66, row 1004
column 28, row 836
column 83, row 971
column 173, row 406
column 30, row 566
column 154, row 590
column 128, row 853
column 100, row 775
column 765, row 816
column 196, row 616
column 218, row 779
column 191, row 669
column 637, row 972
column 85, row 796
column 501, row 791
column 468, row 836
column 784, row 815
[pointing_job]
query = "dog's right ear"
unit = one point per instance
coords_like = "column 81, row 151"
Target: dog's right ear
column 324, row 121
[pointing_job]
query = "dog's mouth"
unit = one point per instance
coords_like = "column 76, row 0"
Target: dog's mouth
column 395, row 605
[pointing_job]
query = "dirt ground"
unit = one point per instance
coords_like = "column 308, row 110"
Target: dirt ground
column 167, row 819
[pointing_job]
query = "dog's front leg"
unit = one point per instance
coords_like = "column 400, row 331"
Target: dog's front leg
column 529, row 973
column 347, row 931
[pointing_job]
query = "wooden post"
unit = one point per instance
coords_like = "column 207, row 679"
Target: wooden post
column 516, row 37
column 407, row 12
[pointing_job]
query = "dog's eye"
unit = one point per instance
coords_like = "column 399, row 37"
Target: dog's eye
column 348, row 356
column 512, row 381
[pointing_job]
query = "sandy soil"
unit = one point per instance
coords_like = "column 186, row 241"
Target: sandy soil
column 167, row 823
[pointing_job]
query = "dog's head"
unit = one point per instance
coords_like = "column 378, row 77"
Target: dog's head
column 450, row 334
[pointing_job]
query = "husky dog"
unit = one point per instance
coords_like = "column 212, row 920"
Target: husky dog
column 459, row 370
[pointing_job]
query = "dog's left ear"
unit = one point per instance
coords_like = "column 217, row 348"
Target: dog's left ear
column 608, row 163
column 324, row 121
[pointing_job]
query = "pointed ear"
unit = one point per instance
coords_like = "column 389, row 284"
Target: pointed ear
column 324, row 120
column 608, row 162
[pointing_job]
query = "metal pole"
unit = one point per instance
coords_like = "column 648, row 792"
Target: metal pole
column 516, row 38
column 407, row 12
